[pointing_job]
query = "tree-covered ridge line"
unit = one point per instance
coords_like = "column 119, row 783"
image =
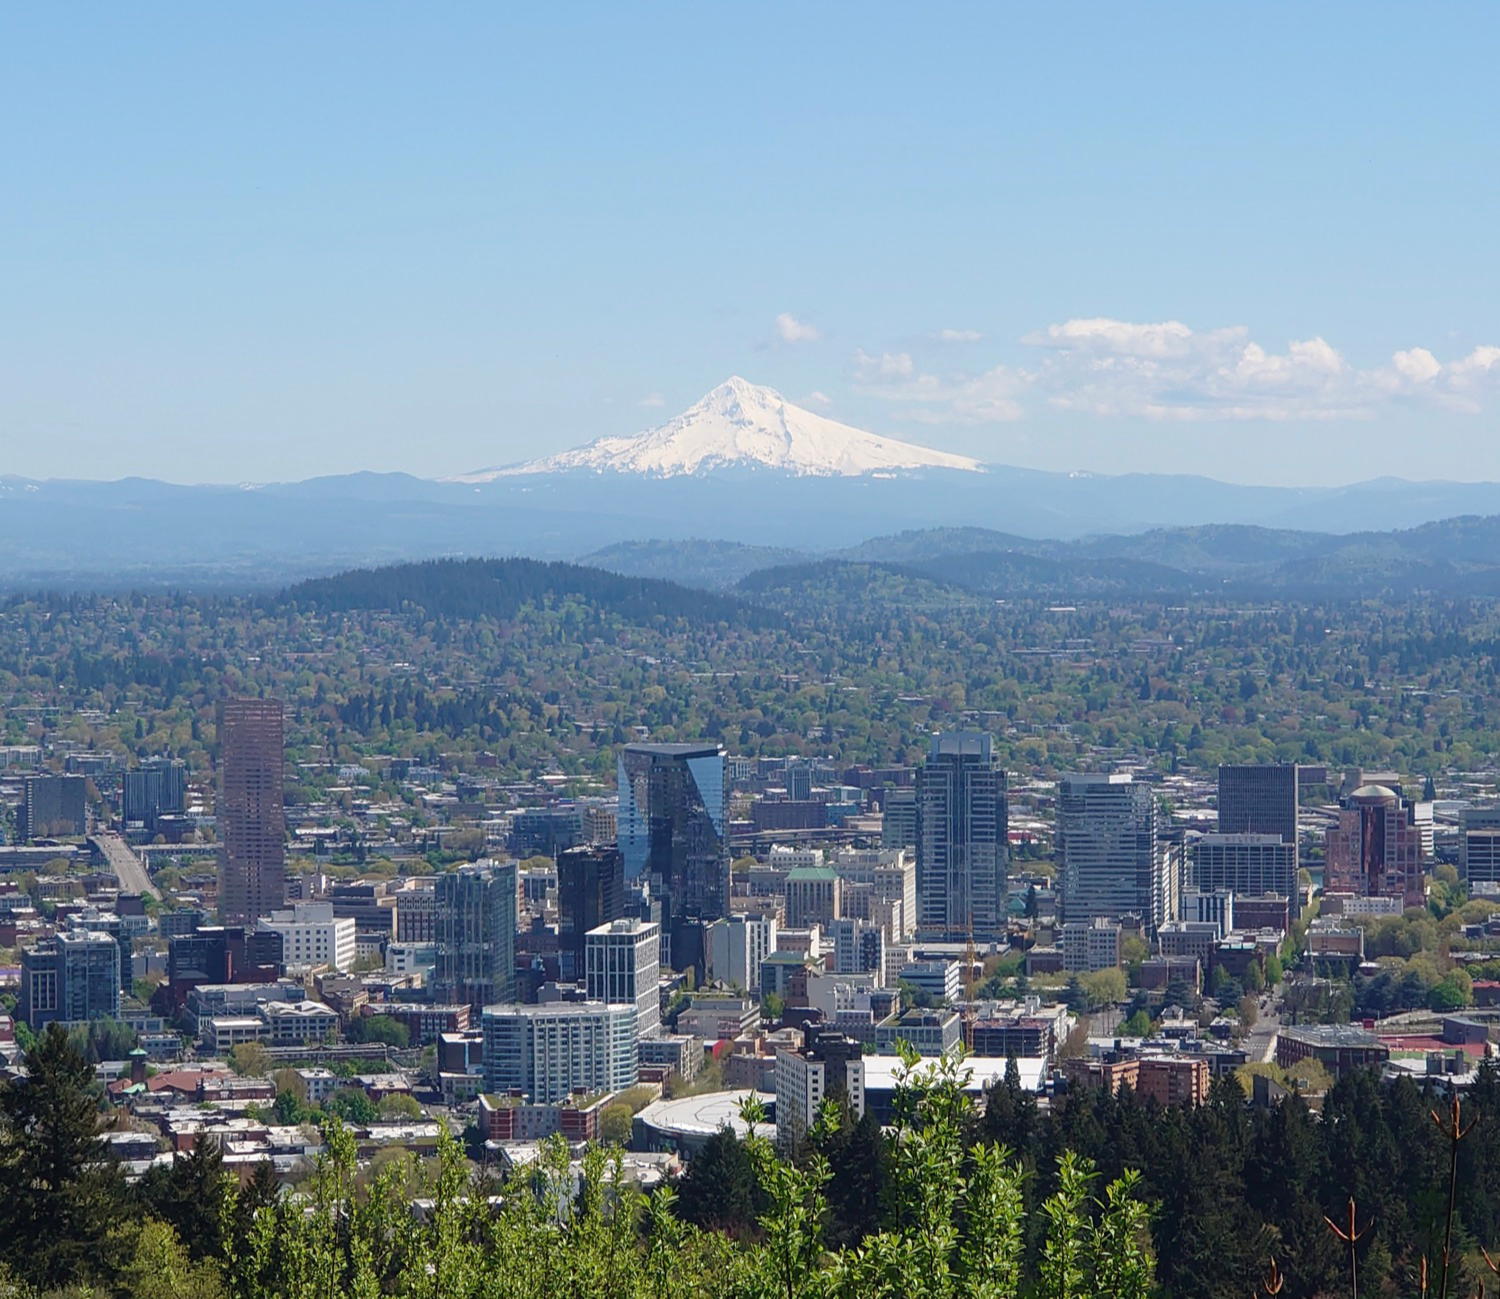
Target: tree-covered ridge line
column 1458, row 556
column 471, row 589
column 861, row 672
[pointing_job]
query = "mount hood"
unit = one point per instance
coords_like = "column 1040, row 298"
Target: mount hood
column 742, row 425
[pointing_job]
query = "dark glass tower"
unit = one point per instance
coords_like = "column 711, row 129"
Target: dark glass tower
column 476, row 934
column 674, row 829
column 962, row 850
column 1259, row 800
column 590, row 893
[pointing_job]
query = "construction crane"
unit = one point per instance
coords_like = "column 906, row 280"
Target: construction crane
column 969, row 958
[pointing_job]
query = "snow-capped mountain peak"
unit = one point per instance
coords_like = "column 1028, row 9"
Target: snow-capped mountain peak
column 741, row 424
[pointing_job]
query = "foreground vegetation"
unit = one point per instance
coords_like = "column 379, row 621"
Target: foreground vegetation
column 958, row 1224
column 1108, row 1197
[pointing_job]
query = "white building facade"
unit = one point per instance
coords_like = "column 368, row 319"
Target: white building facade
column 736, row 947
column 312, row 935
column 622, row 965
column 548, row 1052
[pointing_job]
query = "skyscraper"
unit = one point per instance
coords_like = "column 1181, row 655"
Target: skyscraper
column 251, row 818
column 476, row 934
column 961, row 839
column 1479, row 848
column 1375, row 850
column 158, row 787
column 1112, row 858
column 898, row 822
column 590, row 893
column 1259, row 800
column 1247, row 865
column 674, row 829
column 72, row 977
column 52, row 805
column 623, row 961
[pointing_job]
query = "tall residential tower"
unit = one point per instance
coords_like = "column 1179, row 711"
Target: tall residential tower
column 961, row 839
column 476, row 934
column 1113, row 859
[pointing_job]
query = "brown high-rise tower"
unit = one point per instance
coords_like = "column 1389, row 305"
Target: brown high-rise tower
column 252, row 824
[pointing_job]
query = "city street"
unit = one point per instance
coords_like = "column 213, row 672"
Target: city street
column 127, row 867
column 1260, row 1045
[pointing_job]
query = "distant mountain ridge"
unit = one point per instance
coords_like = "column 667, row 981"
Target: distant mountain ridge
column 144, row 534
column 1455, row 556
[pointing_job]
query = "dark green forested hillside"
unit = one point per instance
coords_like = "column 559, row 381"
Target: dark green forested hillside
column 501, row 588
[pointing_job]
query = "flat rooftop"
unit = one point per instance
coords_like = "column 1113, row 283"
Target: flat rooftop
column 699, row 1115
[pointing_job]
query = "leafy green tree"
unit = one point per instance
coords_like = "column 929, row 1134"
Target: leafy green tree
column 250, row 1059
column 615, row 1124
column 1104, row 987
column 288, row 1110
column 1452, row 992
column 161, row 1267
column 192, row 1196
column 60, row 1197
column 1310, row 1076
column 379, row 1028
column 352, row 1105
column 105, row 1039
column 399, row 1108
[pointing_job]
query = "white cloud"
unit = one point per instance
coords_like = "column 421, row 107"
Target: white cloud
column 883, row 368
column 820, row 398
column 1168, row 371
column 791, row 330
column 932, row 399
column 1419, row 365
column 959, row 336
column 1099, row 336
column 652, row 401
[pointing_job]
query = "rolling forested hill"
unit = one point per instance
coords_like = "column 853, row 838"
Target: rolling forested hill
column 501, row 588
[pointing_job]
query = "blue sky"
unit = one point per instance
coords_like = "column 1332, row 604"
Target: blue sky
column 257, row 243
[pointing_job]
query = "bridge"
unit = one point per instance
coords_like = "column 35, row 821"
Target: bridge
column 125, row 864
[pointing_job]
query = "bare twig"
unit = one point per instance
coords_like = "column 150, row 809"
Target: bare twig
column 1351, row 1238
column 1455, row 1131
column 1274, row 1280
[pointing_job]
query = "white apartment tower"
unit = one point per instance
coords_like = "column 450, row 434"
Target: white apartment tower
column 312, row 935
column 880, row 885
column 622, row 964
column 736, row 947
column 548, row 1052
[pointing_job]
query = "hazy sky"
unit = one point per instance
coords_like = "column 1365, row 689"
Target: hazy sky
column 271, row 241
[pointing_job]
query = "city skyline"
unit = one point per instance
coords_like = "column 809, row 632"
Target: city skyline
column 259, row 250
